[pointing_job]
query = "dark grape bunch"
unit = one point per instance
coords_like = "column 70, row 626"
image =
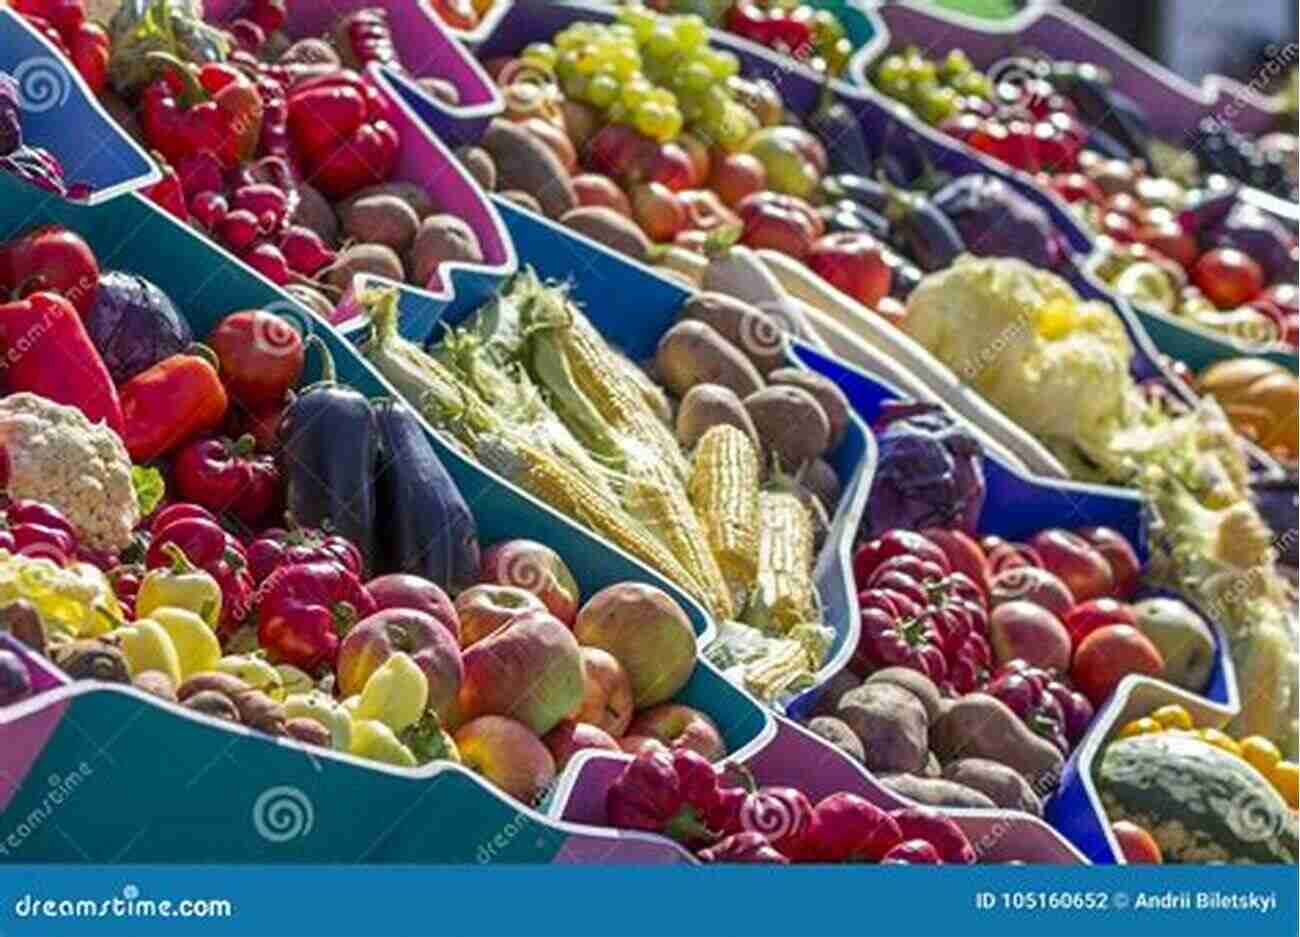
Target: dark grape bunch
column 1222, row 149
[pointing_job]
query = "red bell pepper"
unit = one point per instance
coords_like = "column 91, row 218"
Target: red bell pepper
column 36, row 529
column 913, row 852
column 168, row 193
column 304, row 610
column 215, row 552
column 940, row 831
column 227, row 476
column 51, row 259
column 170, row 403
column 90, row 48
column 744, row 848
column 211, row 109
column 667, row 793
column 782, row 814
column 277, row 547
column 340, row 126
column 46, row 351
column 848, row 828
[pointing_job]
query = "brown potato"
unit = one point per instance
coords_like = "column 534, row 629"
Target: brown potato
column 819, row 478
column 441, row 238
column 837, row 732
column 891, row 724
column 833, row 690
column 157, row 683
column 916, row 683
column 1001, row 784
column 417, row 196
column 442, row 89
column 979, row 726
column 615, row 231
column 364, row 258
column 693, row 353
column 790, row 423
column 479, row 164
column 523, row 200
column 524, row 162
column 380, row 219
column 936, row 792
column 755, row 334
column 706, row 406
column 315, row 213
column 827, row 393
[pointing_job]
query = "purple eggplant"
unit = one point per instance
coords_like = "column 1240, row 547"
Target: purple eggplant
column 863, row 190
column 846, row 147
column 848, row 215
column 997, row 221
column 1259, row 235
column 923, row 232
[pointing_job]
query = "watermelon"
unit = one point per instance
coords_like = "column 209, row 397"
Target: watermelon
column 1201, row 803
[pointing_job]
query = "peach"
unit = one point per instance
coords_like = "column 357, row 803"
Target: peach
column 569, row 737
column 659, row 212
column 736, row 176
column 647, row 632
column 1031, row 633
column 679, row 726
column 607, row 692
column 376, row 638
column 482, row 609
column 529, row 669
column 507, row 754
column 527, row 564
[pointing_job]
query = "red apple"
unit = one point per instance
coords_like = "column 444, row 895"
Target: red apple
column 507, row 754
column 601, row 191
column 1110, row 654
column 403, row 590
column 1031, row 633
column 852, row 262
column 1136, row 845
column 569, row 737
column 485, row 608
column 780, row 222
column 1031, row 584
column 679, row 726
column 1077, row 563
column 527, row 564
column 607, row 692
column 964, row 554
column 377, row 637
column 659, row 212
column 616, row 149
column 1087, row 617
column 737, row 176
column 670, row 165
column 1121, row 556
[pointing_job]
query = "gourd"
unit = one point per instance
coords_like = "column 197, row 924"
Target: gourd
column 1201, row 803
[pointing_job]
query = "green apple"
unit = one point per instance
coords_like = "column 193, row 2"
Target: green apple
column 793, row 158
column 1183, row 639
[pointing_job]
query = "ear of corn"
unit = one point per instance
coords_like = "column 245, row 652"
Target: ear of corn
column 539, row 473
column 783, row 595
column 723, row 489
column 654, row 495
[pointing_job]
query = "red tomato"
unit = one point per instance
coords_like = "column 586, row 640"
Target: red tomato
column 261, row 356
column 1228, row 277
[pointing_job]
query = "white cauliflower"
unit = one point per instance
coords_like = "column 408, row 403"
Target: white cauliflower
column 58, row 456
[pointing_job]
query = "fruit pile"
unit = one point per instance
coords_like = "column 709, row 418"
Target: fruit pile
column 65, row 24
column 681, row 795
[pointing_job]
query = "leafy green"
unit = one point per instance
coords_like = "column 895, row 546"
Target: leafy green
column 149, row 488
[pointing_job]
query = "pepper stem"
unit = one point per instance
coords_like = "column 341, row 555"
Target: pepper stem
column 243, row 447
column 180, row 562
column 194, row 90
column 200, row 350
column 345, row 616
column 329, row 374
column 746, row 776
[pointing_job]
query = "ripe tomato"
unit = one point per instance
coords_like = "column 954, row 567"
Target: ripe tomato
column 1228, row 277
column 261, row 356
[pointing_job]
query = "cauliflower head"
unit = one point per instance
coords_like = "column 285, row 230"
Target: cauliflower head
column 58, row 456
column 1056, row 364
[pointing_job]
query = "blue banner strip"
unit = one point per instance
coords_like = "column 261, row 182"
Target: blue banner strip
column 377, row 901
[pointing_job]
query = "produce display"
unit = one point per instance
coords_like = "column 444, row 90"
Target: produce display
column 245, row 520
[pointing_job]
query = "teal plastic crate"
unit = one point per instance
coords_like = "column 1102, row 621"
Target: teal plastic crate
column 60, row 113
column 103, row 773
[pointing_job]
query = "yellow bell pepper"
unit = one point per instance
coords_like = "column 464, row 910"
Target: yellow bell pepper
column 196, row 643
column 255, row 671
column 1260, row 753
column 1144, row 726
column 73, row 601
column 1173, row 716
column 323, row 708
column 1220, row 739
column 396, row 694
column 374, row 740
column 181, row 585
column 1285, row 776
column 148, row 646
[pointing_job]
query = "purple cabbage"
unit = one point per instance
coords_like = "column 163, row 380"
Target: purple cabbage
column 11, row 121
column 929, row 474
column 997, row 221
column 134, row 325
column 1259, row 235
